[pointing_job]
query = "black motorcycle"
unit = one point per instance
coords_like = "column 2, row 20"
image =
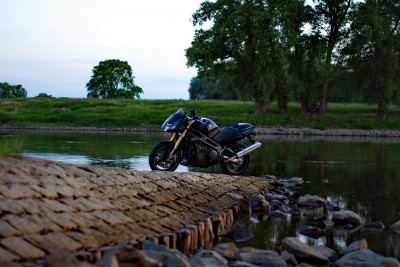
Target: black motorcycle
column 198, row 142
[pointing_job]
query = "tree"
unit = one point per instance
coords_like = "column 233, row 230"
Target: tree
column 331, row 27
column 12, row 91
column 113, row 79
column 242, row 46
column 210, row 88
column 373, row 55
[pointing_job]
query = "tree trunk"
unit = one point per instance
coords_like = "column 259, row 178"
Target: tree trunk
column 323, row 104
column 282, row 103
column 381, row 111
column 260, row 106
column 304, row 106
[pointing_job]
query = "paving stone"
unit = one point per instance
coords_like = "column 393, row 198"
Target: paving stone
column 46, row 204
column 22, row 248
column 7, row 256
column 54, row 240
column 17, row 191
column 54, row 205
column 23, row 223
column 7, row 230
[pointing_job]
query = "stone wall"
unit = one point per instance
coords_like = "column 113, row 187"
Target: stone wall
column 46, row 206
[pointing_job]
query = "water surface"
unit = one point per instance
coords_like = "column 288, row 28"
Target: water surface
column 360, row 174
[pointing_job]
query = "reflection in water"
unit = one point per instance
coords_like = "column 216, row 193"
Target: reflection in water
column 358, row 173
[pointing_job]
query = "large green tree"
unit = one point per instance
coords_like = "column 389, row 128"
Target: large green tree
column 242, row 45
column 113, row 79
column 373, row 54
column 331, row 27
column 11, row 91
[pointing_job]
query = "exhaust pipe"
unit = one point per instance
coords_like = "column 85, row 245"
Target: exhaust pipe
column 243, row 152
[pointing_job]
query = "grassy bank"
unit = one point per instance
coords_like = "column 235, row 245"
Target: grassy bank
column 113, row 113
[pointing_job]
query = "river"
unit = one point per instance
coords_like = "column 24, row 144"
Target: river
column 361, row 174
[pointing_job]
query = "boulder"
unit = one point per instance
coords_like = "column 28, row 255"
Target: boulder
column 289, row 258
column 260, row 257
column 208, row 258
column 303, row 252
column 396, row 227
column 313, row 232
column 355, row 246
column 343, row 217
column 310, row 201
column 226, row 250
column 165, row 256
column 259, row 204
column 366, row 258
column 373, row 227
column 328, row 252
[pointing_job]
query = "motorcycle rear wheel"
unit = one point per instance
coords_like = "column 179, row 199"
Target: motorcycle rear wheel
column 239, row 167
column 158, row 158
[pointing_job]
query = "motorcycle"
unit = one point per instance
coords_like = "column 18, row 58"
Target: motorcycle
column 199, row 142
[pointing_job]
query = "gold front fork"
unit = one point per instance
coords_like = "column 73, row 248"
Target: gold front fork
column 179, row 140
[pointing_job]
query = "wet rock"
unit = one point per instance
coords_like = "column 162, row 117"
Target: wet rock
column 355, row 246
column 226, row 250
column 366, row 258
column 343, row 217
column 208, row 258
column 165, row 256
column 332, row 206
column 294, row 181
column 326, row 224
column 303, row 252
column 260, row 257
column 396, row 227
column 310, row 201
column 259, row 204
column 245, row 206
column 241, row 264
column 276, row 204
column 271, row 197
column 313, row 232
column 328, row 252
column 278, row 213
column 289, row 258
column 126, row 256
column 373, row 227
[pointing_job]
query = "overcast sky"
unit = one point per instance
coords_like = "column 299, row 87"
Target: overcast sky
column 51, row 46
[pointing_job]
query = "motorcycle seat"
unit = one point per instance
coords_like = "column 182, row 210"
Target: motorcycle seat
column 233, row 133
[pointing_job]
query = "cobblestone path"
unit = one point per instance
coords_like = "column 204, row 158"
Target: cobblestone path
column 46, row 205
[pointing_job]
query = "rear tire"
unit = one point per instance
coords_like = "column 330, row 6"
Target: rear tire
column 158, row 158
column 236, row 168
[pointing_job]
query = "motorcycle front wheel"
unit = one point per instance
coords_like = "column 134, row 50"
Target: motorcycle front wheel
column 238, row 167
column 158, row 158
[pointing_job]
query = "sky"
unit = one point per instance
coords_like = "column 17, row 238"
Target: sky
column 51, row 46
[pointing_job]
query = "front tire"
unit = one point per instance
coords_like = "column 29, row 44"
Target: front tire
column 237, row 167
column 158, row 158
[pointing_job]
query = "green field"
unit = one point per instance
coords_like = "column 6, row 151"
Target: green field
column 150, row 114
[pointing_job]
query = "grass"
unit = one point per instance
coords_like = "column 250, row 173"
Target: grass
column 112, row 113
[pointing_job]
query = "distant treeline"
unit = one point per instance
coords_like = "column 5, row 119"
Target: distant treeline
column 272, row 50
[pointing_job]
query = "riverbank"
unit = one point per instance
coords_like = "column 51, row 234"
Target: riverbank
column 150, row 114
column 261, row 131
column 52, row 214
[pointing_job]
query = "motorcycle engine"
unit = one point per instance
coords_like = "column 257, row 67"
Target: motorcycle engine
column 201, row 155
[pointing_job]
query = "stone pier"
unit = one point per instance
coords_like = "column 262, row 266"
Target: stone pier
column 46, row 206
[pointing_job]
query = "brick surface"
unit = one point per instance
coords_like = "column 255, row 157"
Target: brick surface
column 46, row 205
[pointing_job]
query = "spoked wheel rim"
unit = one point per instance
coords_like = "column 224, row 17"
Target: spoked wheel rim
column 240, row 165
column 159, row 157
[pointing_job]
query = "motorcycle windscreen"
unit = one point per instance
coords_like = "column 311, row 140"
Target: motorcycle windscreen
column 174, row 121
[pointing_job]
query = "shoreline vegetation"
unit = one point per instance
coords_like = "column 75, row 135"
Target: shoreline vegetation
column 259, row 131
column 128, row 115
